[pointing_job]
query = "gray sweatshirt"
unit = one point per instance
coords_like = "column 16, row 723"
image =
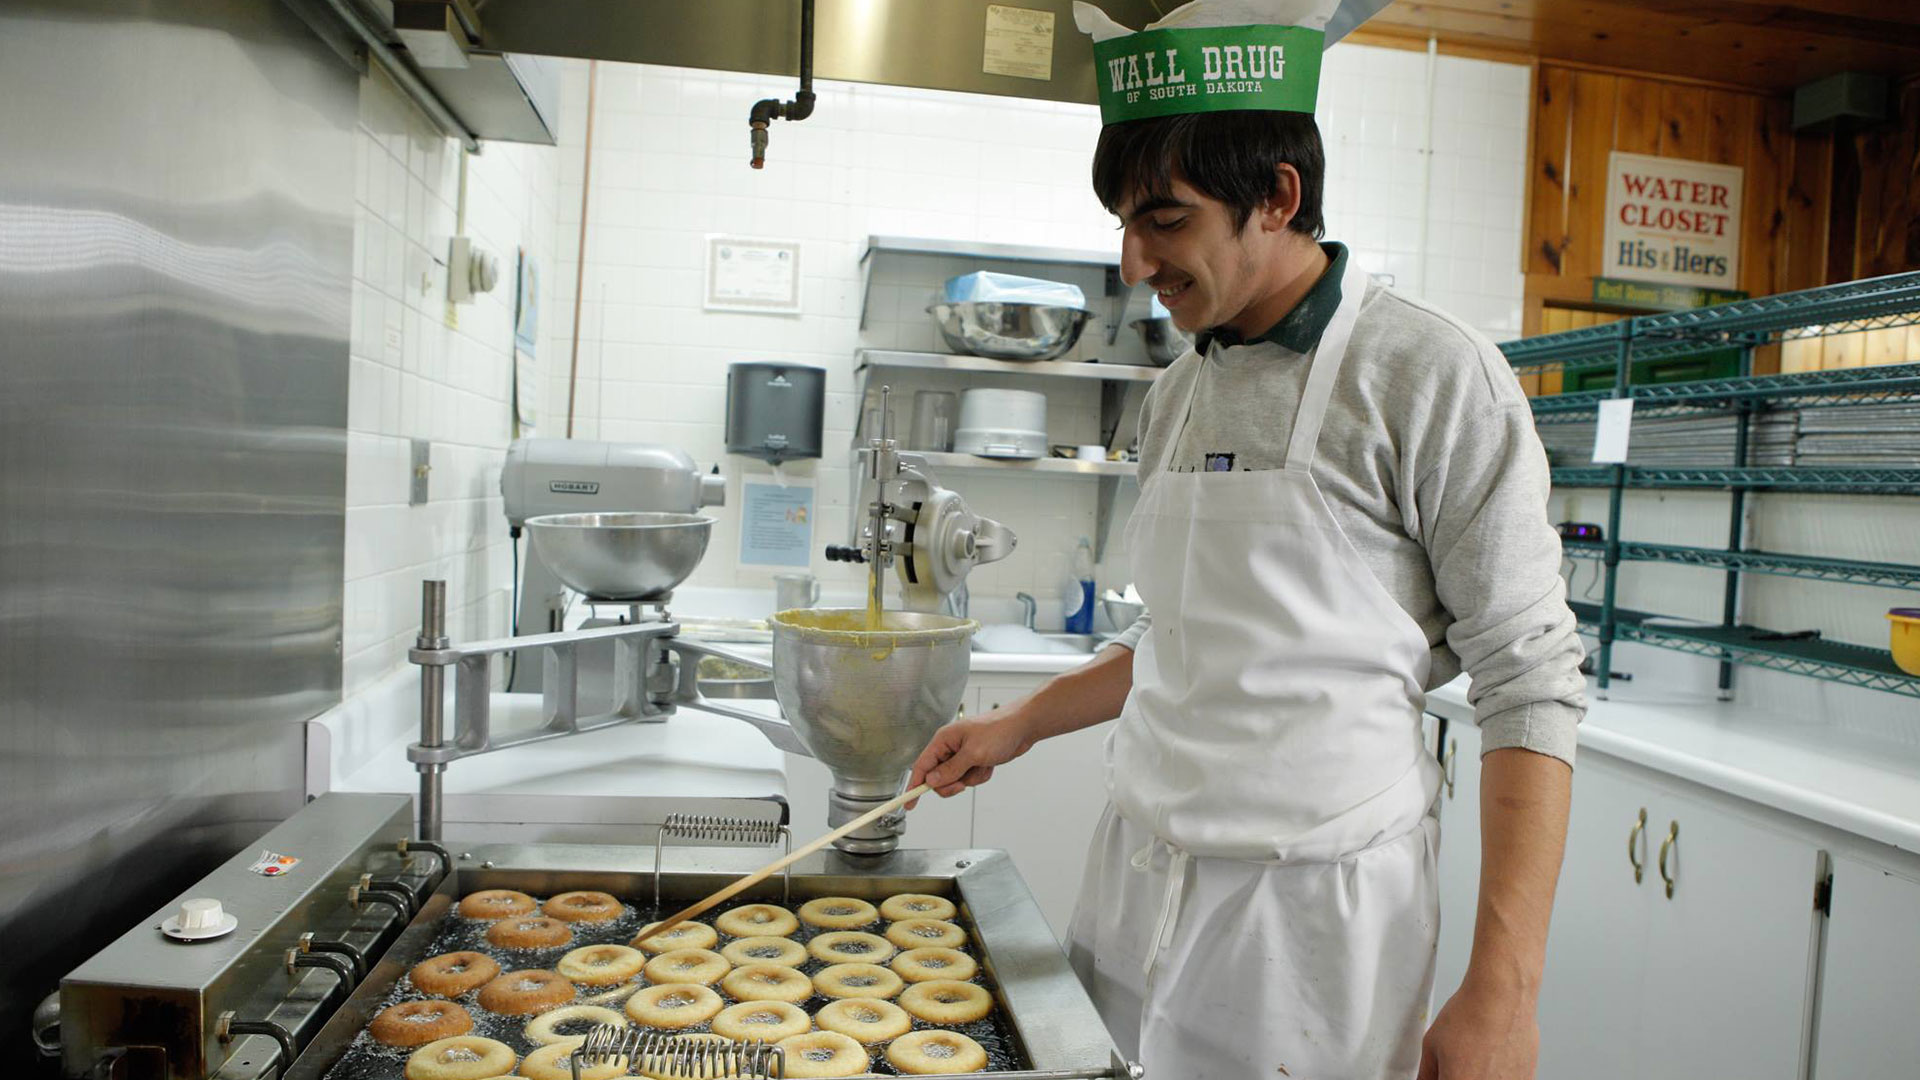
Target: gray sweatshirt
column 1430, row 464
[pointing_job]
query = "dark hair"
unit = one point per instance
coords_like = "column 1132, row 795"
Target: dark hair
column 1230, row 156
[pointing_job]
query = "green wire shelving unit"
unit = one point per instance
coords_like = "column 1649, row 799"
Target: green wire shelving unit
column 1872, row 304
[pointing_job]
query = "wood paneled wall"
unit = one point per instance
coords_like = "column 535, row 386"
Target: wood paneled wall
column 1818, row 208
column 1580, row 116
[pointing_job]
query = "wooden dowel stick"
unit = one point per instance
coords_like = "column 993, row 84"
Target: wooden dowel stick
column 773, row 868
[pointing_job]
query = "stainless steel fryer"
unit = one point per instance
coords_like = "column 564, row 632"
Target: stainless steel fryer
column 320, row 947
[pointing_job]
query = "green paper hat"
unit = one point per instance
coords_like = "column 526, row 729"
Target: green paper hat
column 1209, row 56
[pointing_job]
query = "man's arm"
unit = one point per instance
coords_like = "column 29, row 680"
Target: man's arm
column 965, row 752
column 1487, row 1029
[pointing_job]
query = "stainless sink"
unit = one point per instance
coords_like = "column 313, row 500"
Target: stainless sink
column 1014, row 638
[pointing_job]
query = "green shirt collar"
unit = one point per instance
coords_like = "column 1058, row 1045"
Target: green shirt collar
column 1300, row 329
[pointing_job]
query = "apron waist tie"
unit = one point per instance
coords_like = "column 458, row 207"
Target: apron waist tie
column 1170, row 902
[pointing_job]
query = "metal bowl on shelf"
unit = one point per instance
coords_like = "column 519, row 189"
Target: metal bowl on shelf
column 625, row 556
column 1165, row 342
column 1003, row 330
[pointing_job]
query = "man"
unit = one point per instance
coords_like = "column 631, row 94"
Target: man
column 1343, row 503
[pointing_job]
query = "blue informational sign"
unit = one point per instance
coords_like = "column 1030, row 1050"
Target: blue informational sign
column 776, row 525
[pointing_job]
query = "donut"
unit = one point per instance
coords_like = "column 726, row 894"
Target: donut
column 768, row 1021
column 857, row 981
column 865, row 1019
column 601, row 965
column 525, row 993
column 765, row 950
column 463, row 1057
column 851, row 947
column 757, row 920
column 931, row 1052
column 921, row 965
column 767, row 982
column 538, row 932
column 672, row 1006
column 584, row 907
column 925, row 934
column 545, row 1028
column 551, row 1062
column 452, row 974
column 917, row 906
column 701, row 966
column 417, row 1023
column 823, row 1053
column 838, row 913
column 947, row 1001
column 688, row 935
column 496, row 904
column 612, row 997
column 683, row 1059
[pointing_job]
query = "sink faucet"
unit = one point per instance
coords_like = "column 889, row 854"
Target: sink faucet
column 957, row 601
column 1031, row 607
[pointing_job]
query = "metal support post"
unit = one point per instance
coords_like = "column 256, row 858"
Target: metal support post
column 1616, row 493
column 1736, row 522
column 433, row 681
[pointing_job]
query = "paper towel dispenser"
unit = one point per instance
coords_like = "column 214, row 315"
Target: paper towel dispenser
column 775, row 411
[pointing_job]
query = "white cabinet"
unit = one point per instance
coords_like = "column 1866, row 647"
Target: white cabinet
column 1870, row 980
column 1709, row 978
column 1596, row 944
column 1459, row 755
column 1042, row 807
column 1730, row 947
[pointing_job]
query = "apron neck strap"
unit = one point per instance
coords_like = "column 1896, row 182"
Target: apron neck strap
column 1326, row 359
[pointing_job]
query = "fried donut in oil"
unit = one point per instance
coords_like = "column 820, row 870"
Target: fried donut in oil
column 525, row 993
column 463, row 1057
column 584, row 906
column 932, row 1052
column 417, row 1023
column 857, row 981
column 452, row 974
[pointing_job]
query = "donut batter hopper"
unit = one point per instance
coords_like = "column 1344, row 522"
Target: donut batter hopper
column 866, row 703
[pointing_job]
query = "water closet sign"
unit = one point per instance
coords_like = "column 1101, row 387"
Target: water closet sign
column 1672, row 221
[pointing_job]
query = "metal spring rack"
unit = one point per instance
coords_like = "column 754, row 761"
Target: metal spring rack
column 723, row 830
column 654, row 1054
column 1873, row 304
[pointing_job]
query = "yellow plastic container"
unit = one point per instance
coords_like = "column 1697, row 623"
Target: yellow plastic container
column 1906, row 638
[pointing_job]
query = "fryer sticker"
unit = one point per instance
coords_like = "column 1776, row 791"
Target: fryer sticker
column 273, row 864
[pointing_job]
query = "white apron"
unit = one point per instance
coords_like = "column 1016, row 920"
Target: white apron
column 1260, row 897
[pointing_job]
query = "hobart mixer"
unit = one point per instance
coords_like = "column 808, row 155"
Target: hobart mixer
column 862, row 691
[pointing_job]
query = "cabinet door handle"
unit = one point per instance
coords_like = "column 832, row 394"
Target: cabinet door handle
column 1446, row 764
column 1673, row 837
column 1633, row 847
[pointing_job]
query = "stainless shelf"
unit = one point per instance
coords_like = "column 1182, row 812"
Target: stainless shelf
column 1118, row 292
column 1057, row 369
column 1039, row 466
column 907, row 245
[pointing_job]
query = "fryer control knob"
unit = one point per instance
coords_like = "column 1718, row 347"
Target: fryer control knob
column 199, row 919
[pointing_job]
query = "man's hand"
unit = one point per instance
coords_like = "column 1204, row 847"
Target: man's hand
column 965, row 752
column 1482, row 1034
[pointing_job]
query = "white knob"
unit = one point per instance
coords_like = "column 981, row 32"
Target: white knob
column 200, row 914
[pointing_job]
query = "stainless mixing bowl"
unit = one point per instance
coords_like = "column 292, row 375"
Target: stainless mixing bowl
column 1165, row 342
column 1121, row 613
column 1010, row 331
column 628, row 556
column 867, row 702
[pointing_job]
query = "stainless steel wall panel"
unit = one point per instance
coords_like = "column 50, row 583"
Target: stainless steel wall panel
column 176, row 246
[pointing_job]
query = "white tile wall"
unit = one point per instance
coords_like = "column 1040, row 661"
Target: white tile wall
column 416, row 375
column 669, row 167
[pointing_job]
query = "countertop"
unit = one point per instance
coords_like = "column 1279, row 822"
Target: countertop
column 1804, row 768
